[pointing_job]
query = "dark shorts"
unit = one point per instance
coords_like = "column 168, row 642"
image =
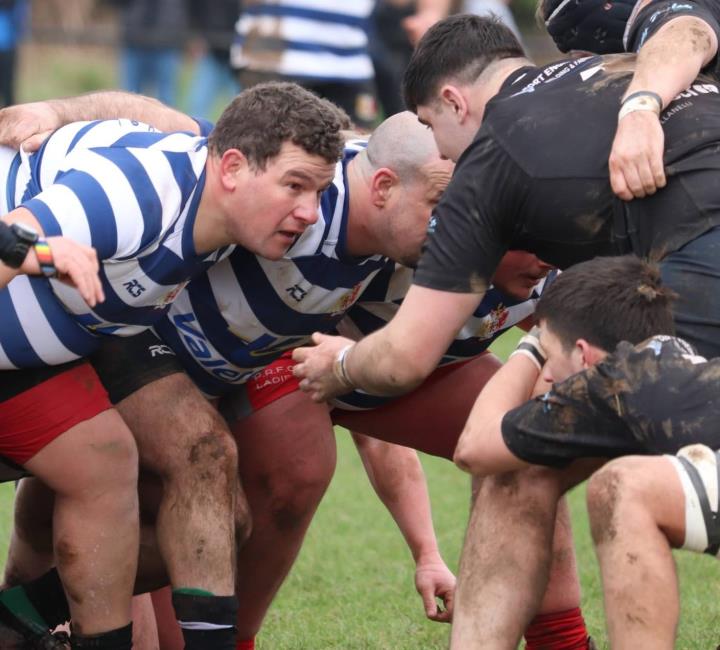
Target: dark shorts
column 693, row 272
column 126, row 364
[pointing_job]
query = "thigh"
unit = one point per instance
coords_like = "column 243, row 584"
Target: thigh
column 289, row 438
column 693, row 272
column 432, row 417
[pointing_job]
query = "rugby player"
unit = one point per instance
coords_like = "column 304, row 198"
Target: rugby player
column 617, row 391
column 554, row 200
column 671, row 38
column 207, row 328
column 159, row 209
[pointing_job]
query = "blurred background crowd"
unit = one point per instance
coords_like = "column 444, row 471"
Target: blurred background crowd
column 195, row 54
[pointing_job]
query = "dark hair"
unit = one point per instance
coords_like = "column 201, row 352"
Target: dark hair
column 260, row 119
column 596, row 26
column 459, row 46
column 607, row 300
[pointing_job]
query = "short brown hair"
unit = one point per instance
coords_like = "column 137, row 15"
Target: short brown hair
column 607, row 300
column 260, row 119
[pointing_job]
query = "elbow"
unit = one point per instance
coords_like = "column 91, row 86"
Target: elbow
column 467, row 458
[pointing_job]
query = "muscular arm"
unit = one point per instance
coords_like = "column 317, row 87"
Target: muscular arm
column 481, row 449
column 35, row 120
column 667, row 64
column 395, row 358
column 397, row 477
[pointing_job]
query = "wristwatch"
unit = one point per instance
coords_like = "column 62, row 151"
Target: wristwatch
column 15, row 242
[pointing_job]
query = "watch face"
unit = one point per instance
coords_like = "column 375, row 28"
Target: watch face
column 24, row 233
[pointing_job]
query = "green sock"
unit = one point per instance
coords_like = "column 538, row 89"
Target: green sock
column 16, row 601
column 192, row 591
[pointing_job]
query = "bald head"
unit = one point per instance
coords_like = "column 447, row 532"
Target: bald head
column 401, row 144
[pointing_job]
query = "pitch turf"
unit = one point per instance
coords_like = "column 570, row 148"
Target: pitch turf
column 352, row 587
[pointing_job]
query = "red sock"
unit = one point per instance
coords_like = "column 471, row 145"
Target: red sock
column 557, row 631
column 246, row 644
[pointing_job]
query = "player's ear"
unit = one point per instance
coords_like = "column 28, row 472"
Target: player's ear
column 232, row 164
column 382, row 184
column 590, row 354
column 453, row 97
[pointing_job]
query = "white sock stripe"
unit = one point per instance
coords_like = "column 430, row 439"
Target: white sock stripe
column 202, row 625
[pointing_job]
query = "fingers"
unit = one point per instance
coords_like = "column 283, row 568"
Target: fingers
column 34, row 142
column 636, row 159
column 78, row 266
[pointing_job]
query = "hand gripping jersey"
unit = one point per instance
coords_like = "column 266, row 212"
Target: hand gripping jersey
column 246, row 311
column 131, row 193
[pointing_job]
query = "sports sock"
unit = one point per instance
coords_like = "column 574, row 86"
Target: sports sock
column 207, row 621
column 245, row 644
column 120, row 639
column 557, row 631
column 46, row 593
column 39, row 604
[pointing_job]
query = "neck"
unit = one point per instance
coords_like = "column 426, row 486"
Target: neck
column 209, row 232
column 488, row 84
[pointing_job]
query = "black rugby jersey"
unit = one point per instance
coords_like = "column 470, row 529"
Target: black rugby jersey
column 536, row 176
column 652, row 398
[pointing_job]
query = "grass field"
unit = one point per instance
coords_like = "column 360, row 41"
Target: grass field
column 352, row 587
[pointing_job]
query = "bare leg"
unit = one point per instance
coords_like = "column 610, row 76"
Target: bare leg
column 181, row 437
column 145, row 636
column 92, row 468
column 637, row 511
column 286, row 455
column 506, row 560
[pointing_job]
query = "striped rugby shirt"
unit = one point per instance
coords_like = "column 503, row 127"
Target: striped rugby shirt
column 246, row 311
column 311, row 40
column 130, row 192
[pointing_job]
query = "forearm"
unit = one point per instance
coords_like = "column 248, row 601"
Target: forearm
column 398, row 479
column 480, row 449
column 115, row 104
column 670, row 61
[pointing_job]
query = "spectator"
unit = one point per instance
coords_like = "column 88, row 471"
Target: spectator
column 152, row 39
column 213, row 23
column 321, row 44
column 12, row 20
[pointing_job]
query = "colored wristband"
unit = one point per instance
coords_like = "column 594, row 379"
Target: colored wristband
column 45, row 258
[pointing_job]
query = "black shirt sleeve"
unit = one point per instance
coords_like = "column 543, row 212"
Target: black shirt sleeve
column 575, row 419
column 473, row 224
column 656, row 14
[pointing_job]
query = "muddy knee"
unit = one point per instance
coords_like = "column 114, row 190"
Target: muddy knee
column 603, row 497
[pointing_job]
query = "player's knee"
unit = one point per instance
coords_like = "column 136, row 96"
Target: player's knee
column 295, row 494
column 604, row 492
column 207, row 459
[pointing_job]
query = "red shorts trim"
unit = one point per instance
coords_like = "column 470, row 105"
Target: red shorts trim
column 272, row 382
column 34, row 418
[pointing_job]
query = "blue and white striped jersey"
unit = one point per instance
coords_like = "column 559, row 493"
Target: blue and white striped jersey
column 130, row 192
column 317, row 40
column 496, row 313
column 246, row 311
